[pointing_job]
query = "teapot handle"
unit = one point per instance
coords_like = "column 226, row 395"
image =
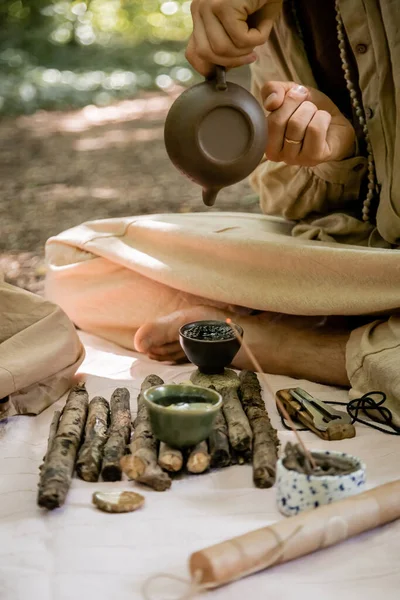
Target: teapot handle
column 219, row 76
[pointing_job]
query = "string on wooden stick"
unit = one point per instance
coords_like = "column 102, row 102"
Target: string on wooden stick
column 194, row 587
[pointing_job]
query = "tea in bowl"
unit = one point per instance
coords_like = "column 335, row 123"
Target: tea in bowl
column 210, row 345
column 182, row 415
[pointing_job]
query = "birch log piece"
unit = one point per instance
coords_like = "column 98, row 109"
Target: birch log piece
column 240, row 434
column 227, row 384
column 142, row 464
column 90, row 455
column 199, row 459
column 52, row 434
column 119, row 435
column 265, row 437
column 219, row 443
column 58, row 467
column 170, row 459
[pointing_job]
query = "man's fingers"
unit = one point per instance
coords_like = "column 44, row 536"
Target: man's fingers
column 225, row 32
column 240, row 33
column 278, row 120
column 201, row 44
column 327, row 136
column 296, row 130
column 219, row 41
column 263, row 20
column 298, row 122
column 201, row 66
column 275, row 99
column 315, row 148
column 203, row 55
column 244, row 29
column 273, row 93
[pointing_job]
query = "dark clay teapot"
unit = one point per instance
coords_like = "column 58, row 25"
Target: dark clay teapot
column 215, row 133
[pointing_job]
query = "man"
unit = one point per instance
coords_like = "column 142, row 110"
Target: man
column 323, row 290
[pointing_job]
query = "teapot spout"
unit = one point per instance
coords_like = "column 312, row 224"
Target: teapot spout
column 210, row 195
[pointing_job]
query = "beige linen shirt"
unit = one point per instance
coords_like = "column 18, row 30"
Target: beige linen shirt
column 325, row 198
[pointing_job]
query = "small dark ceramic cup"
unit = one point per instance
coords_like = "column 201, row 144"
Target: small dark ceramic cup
column 210, row 356
column 176, row 427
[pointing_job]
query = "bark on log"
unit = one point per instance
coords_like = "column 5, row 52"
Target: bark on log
column 241, row 458
column 59, row 465
column 90, row 455
column 199, row 459
column 219, row 443
column 142, row 464
column 240, row 433
column 265, row 438
column 217, row 381
column 119, row 435
column 52, row 434
column 170, row 459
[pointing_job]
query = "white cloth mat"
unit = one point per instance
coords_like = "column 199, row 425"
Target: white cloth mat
column 80, row 553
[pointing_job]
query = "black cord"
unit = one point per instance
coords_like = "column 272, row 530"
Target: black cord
column 365, row 404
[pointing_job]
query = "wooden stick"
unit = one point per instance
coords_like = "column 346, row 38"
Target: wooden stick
column 296, row 536
column 241, row 458
column 119, row 435
column 199, row 459
column 90, row 455
column 265, row 437
column 59, row 465
column 240, row 434
column 142, row 464
column 265, row 381
column 52, row 434
column 219, row 443
column 170, row 459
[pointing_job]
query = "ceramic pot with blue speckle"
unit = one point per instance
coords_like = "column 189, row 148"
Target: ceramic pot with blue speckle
column 297, row 492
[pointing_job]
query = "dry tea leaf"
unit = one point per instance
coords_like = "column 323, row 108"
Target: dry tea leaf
column 117, row 502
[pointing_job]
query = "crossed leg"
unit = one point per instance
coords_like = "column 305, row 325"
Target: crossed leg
column 302, row 347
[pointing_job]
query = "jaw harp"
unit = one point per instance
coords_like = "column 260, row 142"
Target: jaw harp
column 322, row 414
column 325, row 421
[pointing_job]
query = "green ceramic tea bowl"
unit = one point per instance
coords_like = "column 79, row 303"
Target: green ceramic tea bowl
column 182, row 415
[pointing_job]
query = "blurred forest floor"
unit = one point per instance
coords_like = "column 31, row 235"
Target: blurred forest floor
column 59, row 169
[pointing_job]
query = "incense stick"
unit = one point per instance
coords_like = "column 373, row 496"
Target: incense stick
column 265, row 381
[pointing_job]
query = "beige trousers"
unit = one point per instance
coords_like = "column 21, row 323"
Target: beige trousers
column 111, row 276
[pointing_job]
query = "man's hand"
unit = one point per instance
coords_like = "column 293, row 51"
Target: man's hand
column 304, row 126
column 225, row 32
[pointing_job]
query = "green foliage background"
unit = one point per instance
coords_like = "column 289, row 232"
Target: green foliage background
column 60, row 54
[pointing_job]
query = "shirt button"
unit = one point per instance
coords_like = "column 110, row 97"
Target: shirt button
column 358, row 167
column 369, row 113
column 361, row 48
